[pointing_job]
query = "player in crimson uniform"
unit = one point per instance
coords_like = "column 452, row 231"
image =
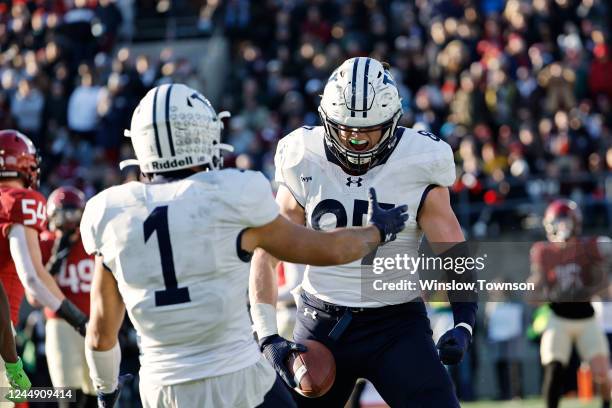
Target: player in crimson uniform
column 22, row 218
column 72, row 268
column 570, row 269
column 16, row 377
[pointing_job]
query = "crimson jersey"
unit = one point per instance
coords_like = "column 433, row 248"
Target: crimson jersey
column 572, row 274
column 17, row 206
column 75, row 274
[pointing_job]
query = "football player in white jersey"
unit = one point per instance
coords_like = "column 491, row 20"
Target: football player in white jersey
column 174, row 252
column 324, row 174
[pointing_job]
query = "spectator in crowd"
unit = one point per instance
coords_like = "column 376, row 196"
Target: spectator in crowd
column 27, row 109
column 83, row 106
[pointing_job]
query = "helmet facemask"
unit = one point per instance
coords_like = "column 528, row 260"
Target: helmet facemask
column 66, row 219
column 560, row 229
column 354, row 160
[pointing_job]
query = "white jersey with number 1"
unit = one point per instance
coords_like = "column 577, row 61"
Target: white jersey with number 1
column 172, row 247
column 332, row 198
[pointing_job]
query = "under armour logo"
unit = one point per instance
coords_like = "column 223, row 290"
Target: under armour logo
column 306, row 179
column 311, row 313
column 350, row 181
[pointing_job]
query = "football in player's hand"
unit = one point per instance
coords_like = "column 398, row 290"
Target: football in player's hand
column 314, row 370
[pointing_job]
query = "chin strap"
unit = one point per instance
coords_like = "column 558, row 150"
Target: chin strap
column 129, row 162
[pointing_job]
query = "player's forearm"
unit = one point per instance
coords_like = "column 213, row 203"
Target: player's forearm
column 50, row 283
column 263, row 286
column 463, row 302
column 7, row 341
column 263, row 293
column 32, row 273
column 107, row 310
column 340, row 246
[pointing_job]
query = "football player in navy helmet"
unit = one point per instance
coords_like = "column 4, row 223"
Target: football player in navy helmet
column 324, row 173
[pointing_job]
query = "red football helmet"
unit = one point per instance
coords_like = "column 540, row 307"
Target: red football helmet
column 18, row 158
column 562, row 220
column 65, row 207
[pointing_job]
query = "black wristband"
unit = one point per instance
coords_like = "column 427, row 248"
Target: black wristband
column 72, row 314
column 463, row 303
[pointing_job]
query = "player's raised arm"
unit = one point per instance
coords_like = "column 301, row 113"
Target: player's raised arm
column 102, row 349
column 263, row 287
column 440, row 225
column 294, row 243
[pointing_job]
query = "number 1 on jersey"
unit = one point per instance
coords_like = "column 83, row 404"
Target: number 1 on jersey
column 172, row 295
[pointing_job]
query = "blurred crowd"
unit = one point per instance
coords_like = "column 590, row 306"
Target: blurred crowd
column 521, row 89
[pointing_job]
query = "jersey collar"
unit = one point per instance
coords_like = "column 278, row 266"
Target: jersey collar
column 399, row 132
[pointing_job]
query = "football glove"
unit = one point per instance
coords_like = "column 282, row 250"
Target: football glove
column 17, row 378
column 108, row 400
column 388, row 222
column 453, row 345
column 276, row 349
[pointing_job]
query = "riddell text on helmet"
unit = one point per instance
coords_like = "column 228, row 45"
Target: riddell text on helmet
column 171, row 164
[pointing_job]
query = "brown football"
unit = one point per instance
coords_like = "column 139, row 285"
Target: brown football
column 314, row 370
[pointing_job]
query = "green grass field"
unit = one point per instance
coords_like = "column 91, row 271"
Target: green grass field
column 532, row 403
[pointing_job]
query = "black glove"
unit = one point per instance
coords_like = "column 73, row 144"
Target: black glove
column 276, row 349
column 388, row 222
column 73, row 315
column 108, row 400
column 453, row 345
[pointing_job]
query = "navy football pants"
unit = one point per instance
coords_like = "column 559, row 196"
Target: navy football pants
column 278, row 396
column 391, row 346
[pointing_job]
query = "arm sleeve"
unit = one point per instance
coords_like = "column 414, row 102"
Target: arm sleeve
column 26, row 270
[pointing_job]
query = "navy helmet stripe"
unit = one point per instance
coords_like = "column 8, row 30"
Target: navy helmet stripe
column 354, row 86
column 365, row 88
column 168, row 127
column 155, row 130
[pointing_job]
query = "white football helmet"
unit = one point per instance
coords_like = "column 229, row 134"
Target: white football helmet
column 360, row 95
column 175, row 127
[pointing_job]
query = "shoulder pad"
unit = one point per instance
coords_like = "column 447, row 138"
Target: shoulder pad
column 90, row 222
column 429, row 158
column 22, row 206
